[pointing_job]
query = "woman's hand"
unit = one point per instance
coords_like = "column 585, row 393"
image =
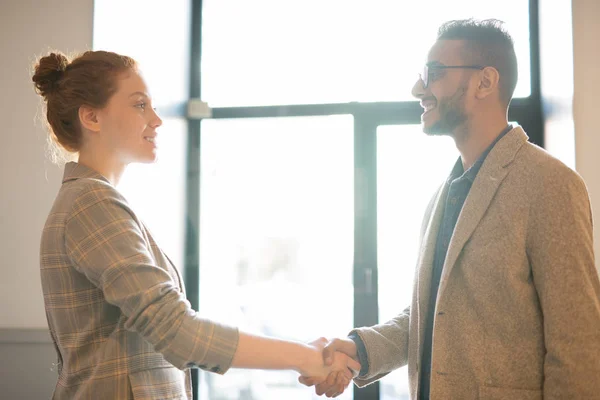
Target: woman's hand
column 335, row 376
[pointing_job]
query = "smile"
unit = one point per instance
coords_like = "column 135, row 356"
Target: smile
column 428, row 106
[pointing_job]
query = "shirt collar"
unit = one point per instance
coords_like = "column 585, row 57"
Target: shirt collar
column 458, row 170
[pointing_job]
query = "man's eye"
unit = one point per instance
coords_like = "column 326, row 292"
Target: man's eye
column 435, row 74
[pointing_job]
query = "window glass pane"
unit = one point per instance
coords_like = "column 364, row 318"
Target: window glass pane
column 157, row 191
column 267, row 52
column 410, row 168
column 156, row 34
column 276, row 238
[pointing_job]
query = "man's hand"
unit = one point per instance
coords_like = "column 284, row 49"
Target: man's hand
column 336, row 381
column 346, row 346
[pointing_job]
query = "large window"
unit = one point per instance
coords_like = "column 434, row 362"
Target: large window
column 276, row 230
column 269, row 52
column 294, row 210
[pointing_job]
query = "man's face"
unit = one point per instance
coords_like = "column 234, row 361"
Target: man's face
column 445, row 100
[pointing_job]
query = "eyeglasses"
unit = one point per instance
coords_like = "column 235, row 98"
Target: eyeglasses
column 428, row 70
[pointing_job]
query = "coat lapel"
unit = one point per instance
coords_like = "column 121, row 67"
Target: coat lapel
column 425, row 262
column 488, row 180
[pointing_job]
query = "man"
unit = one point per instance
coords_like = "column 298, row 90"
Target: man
column 506, row 300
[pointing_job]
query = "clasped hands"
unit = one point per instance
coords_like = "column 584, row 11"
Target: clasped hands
column 333, row 372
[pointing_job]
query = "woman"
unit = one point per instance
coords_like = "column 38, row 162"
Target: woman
column 116, row 307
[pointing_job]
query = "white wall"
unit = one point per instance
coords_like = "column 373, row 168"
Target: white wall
column 28, row 180
column 29, row 183
column 586, row 47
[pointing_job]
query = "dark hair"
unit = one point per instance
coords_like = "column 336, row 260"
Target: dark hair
column 487, row 43
column 89, row 79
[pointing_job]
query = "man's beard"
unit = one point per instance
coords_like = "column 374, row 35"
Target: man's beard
column 451, row 115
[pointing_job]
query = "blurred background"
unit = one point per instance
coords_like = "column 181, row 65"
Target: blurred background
column 292, row 173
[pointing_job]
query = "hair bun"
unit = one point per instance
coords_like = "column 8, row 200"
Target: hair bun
column 48, row 71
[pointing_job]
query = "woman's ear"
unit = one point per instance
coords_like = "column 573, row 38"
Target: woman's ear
column 88, row 118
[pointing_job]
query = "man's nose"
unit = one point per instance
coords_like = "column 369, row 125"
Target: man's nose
column 418, row 89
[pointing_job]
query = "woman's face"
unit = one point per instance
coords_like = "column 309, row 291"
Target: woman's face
column 128, row 123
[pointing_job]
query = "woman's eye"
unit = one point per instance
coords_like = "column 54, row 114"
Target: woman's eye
column 141, row 105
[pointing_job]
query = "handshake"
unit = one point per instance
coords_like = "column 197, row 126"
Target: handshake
column 332, row 367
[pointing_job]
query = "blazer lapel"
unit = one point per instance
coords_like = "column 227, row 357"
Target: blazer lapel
column 488, row 180
column 425, row 262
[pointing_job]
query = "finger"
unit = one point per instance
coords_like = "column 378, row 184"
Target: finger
column 322, row 340
column 333, row 391
column 332, row 378
column 336, row 387
column 339, row 390
column 321, row 388
column 340, row 377
column 342, row 382
column 354, row 365
column 346, row 346
column 347, row 373
column 306, row 381
column 328, row 351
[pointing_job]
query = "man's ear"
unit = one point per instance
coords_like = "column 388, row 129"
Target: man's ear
column 490, row 77
column 88, row 118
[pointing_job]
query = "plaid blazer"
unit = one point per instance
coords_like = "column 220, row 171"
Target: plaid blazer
column 115, row 304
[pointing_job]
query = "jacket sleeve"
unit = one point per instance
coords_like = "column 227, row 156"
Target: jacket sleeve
column 386, row 346
column 560, row 249
column 106, row 243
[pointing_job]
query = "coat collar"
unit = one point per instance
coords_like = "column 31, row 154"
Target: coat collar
column 74, row 171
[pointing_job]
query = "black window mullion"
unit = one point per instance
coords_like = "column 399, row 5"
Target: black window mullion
column 528, row 111
column 192, row 224
column 529, row 116
column 366, row 310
